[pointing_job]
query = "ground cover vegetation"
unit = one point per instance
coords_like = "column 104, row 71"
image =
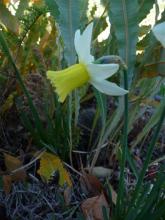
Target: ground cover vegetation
column 82, row 133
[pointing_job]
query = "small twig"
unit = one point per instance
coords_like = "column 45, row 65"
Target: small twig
column 33, row 178
column 88, row 152
column 50, row 206
column 74, row 170
column 152, row 64
column 157, row 160
column 28, row 164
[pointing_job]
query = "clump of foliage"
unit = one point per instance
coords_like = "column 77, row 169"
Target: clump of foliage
column 39, row 37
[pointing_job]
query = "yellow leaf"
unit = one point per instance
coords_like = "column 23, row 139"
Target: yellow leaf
column 40, row 2
column 49, row 163
column 8, row 103
column 5, row 2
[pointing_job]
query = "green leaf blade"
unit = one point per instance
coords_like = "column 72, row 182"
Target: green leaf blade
column 144, row 8
column 69, row 22
column 53, row 8
column 124, row 18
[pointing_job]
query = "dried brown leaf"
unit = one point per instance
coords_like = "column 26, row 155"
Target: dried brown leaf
column 92, row 207
column 90, row 184
column 12, row 164
column 7, row 183
column 67, row 195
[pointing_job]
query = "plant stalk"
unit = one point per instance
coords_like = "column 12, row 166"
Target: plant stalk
column 124, row 148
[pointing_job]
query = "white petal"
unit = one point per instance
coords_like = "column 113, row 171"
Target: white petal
column 108, row 88
column 102, row 71
column 159, row 32
column 77, row 39
column 83, row 44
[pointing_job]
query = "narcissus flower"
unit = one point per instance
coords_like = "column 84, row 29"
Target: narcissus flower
column 159, row 32
column 85, row 71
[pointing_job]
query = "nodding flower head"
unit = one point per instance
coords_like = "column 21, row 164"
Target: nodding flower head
column 86, row 70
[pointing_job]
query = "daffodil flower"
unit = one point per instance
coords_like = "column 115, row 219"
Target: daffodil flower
column 159, row 32
column 85, row 71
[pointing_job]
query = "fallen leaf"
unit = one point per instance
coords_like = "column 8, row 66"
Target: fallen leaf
column 92, row 207
column 7, row 183
column 90, row 184
column 12, row 164
column 49, row 163
column 67, row 195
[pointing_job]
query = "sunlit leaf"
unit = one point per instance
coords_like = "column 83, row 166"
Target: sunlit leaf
column 124, row 18
column 5, row 2
column 144, row 8
column 144, row 30
column 10, row 21
column 69, row 22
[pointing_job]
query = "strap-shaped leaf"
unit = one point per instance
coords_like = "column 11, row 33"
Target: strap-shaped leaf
column 124, row 18
column 144, row 8
column 53, row 8
column 69, row 21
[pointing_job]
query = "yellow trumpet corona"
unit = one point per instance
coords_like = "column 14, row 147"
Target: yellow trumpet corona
column 64, row 81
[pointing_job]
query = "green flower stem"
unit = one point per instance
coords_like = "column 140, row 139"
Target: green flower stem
column 124, row 148
column 146, row 162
